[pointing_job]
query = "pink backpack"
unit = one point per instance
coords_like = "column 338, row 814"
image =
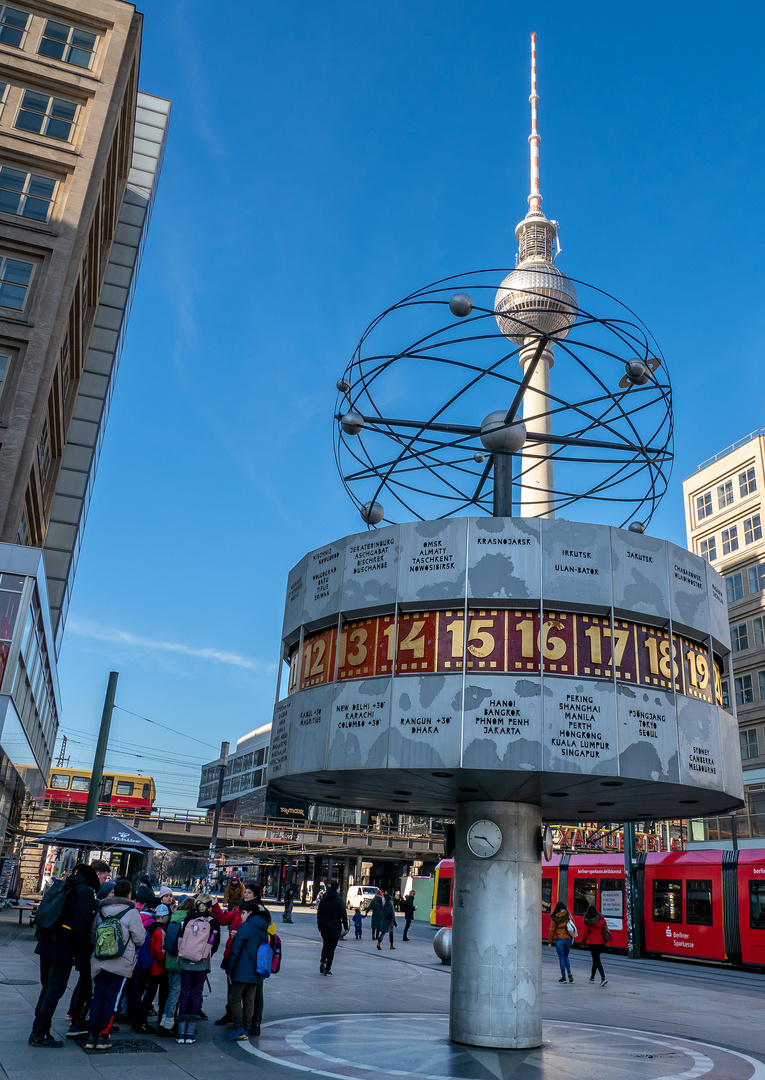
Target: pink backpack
column 196, row 943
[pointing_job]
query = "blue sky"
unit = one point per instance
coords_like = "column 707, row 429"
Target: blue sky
column 324, row 160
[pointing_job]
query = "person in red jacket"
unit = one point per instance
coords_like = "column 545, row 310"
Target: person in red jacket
column 156, row 978
column 233, row 920
column 594, row 925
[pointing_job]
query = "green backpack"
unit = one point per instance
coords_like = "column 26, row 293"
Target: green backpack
column 110, row 942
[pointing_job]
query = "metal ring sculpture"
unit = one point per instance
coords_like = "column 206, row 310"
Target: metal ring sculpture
column 608, row 413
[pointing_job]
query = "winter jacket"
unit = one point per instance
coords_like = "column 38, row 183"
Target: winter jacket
column 233, row 919
column 70, row 942
column 593, row 931
column 133, row 933
column 233, row 894
column 242, row 960
column 558, row 927
column 157, row 949
column 331, row 917
column 172, row 963
column 409, row 907
column 388, row 917
column 375, row 909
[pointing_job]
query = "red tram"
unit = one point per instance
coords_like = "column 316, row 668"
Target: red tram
column 706, row 905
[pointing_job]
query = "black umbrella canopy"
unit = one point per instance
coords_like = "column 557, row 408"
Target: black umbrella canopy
column 104, row 831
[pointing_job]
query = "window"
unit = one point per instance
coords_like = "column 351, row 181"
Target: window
column 80, row 783
column 752, row 529
column 761, row 677
column 124, row 787
column 748, row 740
column 45, row 115
column 25, row 194
column 107, row 786
column 444, row 892
column 744, row 692
column 43, row 452
column 725, row 691
column 546, row 895
column 746, row 482
column 698, row 902
column 757, row 905
column 15, row 277
column 667, row 901
column 734, row 585
column 146, row 791
column 704, row 506
column 611, row 898
column 67, row 43
column 60, row 781
column 13, row 25
column 724, row 494
column 730, row 539
column 585, row 893
column 708, row 549
column 739, row 638
column 759, row 630
column 757, row 578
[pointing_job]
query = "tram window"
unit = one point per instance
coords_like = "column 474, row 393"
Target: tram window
column 667, row 901
column 698, row 902
column 444, row 892
column 612, row 898
column 60, row 782
column 124, row 787
column 146, row 791
column 546, row 895
column 757, row 905
column 107, row 785
column 80, row 783
column 585, row 893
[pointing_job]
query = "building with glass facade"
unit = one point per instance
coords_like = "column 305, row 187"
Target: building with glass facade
column 80, row 153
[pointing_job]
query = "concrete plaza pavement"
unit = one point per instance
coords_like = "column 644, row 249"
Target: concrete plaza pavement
column 385, row 1013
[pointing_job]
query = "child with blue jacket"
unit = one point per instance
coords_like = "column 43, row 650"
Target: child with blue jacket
column 357, row 917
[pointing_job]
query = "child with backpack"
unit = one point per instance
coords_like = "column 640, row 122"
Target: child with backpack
column 173, row 966
column 196, row 942
column 156, row 979
column 117, row 934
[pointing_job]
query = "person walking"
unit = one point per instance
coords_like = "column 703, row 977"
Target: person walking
column 233, row 894
column 109, row 972
column 596, row 935
column 196, row 941
column 63, row 947
column 388, row 921
column 563, row 939
column 289, row 901
column 409, row 909
column 332, row 920
column 245, row 994
column 375, row 910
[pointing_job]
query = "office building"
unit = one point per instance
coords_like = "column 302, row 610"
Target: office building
column 724, row 523
column 80, row 154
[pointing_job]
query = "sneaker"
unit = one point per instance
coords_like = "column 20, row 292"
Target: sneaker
column 592, row 980
column 181, row 1039
column 327, row 972
column 563, row 979
column 91, row 1043
column 190, row 1040
column 203, row 1016
column 322, row 969
column 223, row 1021
column 104, row 1043
column 254, row 1030
column 603, row 982
column 570, row 977
column 75, row 1030
column 237, row 1034
column 46, row 1041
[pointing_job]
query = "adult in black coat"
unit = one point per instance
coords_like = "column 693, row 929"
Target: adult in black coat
column 409, row 909
column 332, row 920
column 62, row 948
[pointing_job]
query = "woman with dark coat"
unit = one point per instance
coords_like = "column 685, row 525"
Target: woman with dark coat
column 375, row 909
column 332, row 920
column 245, row 995
column 388, row 921
column 594, row 924
column 563, row 940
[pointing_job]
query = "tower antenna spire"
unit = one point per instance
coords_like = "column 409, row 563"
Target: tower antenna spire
column 535, row 199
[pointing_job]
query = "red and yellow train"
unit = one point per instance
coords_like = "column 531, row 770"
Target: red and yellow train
column 117, row 789
column 703, row 905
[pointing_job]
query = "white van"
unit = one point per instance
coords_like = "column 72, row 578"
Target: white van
column 359, row 896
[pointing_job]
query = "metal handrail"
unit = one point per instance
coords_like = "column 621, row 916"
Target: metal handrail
column 729, row 449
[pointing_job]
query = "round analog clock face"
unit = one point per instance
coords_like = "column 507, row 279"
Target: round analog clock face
column 484, row 838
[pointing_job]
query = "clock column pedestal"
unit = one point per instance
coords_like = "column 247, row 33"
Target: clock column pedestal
column 496, row 984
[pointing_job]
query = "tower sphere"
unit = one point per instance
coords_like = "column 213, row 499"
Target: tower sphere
column 536, row 298
column 461, row 305
column 352, row 423
column 496, row 436
column 372, row 513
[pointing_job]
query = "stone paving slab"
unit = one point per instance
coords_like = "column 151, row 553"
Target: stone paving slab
column 384, row 1014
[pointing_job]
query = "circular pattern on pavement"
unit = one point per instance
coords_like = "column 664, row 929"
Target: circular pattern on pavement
column 365, row 1046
